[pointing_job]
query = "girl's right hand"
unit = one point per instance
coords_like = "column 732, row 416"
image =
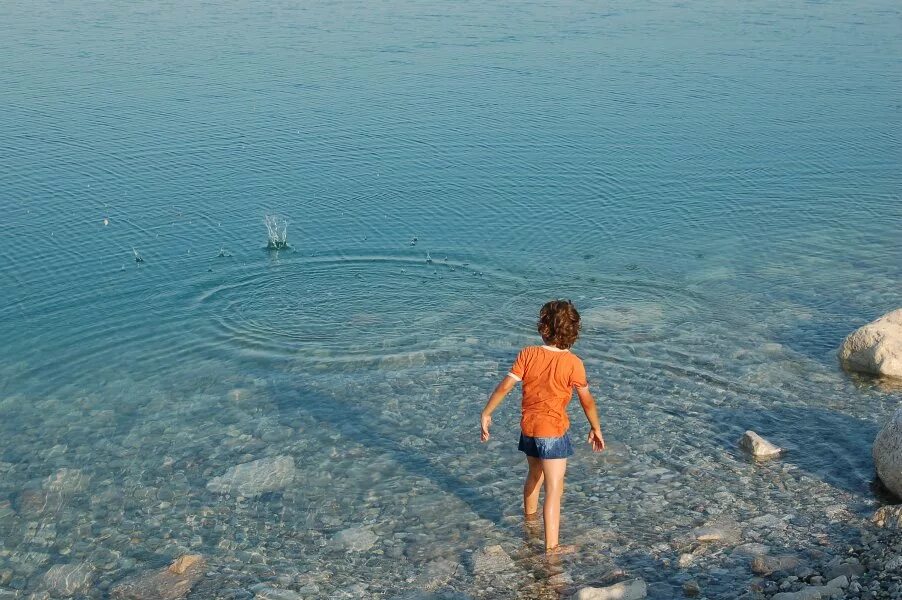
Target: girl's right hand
column 596, row 440
column 485, row 422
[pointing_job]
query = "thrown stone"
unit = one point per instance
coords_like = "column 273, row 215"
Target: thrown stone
column 634, row 589
column 875, row 348
column 68, row 580
column 889, row 517
column 172, row 583
column 887, row 453
column 757, row 446
column 256, row 477
column 355, row 539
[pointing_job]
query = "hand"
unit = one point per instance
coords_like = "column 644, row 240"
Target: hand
column 486, row 422
column 595, row 440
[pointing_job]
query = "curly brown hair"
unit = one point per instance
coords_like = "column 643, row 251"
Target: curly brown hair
column 559, row 323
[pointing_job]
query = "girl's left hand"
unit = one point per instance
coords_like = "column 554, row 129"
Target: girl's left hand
column 485, row 422
column 596, row 441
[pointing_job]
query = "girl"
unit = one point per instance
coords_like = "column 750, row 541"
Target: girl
column 549, row 373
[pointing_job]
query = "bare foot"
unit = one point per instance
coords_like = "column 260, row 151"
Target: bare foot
column 560, row 549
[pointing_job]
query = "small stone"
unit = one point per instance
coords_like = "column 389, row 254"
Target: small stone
column 889, row 517
column 764, row 565
column 769, row 521
column 841, row 582
column 68, row 580
column 491, row 560
column 757, row 446
column 67, row 481
column 256, row 477
column 171, row 583
column 270, row 593
column 691, row 588
column 727, row 533
column 811, row 593
column 355, row 539
column 184, row 563
column 848, row 569
column 634, row 589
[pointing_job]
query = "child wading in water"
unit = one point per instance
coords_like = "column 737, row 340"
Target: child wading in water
column 549, row 373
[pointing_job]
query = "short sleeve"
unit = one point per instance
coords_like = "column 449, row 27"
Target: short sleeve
column 578, row 376
column 518, row 370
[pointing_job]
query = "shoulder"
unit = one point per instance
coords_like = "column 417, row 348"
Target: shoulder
column 575, row 358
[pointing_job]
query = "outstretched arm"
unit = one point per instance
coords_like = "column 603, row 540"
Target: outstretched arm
column 588, row 403
column 501, row 390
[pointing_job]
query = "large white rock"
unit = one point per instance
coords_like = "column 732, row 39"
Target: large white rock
column 634, row 589
column 876, row 347
column 887, row 454
column 256, row 477
column 757, row 446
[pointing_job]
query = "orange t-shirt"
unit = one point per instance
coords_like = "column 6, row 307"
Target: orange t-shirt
column 549, row 376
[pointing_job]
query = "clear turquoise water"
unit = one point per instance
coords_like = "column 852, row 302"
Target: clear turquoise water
column 716, row 187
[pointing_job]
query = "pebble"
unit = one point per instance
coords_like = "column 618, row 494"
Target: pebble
column 634, row 589
column 256, row 477
column 355, row 539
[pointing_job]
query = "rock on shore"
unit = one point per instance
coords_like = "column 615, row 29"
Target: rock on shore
column 875, row 348
column 887, row 453
column 256, row 477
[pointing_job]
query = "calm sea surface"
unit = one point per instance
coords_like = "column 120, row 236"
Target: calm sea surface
column 716, row 185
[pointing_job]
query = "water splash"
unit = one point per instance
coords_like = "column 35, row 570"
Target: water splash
column 277, row 230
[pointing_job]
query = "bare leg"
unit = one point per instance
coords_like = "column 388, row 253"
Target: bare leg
column 554, row 470
column 533, row 485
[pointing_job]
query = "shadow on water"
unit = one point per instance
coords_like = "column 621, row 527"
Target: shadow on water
column 829, row 445
column 385, row 438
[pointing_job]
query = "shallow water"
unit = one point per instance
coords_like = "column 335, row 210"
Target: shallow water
column 715, row 186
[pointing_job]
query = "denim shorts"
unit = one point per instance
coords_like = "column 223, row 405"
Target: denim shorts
column 546, row 447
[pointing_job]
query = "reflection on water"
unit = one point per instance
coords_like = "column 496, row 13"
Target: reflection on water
column 716, row 187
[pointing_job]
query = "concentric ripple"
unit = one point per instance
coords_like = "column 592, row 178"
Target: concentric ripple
column 349, row 308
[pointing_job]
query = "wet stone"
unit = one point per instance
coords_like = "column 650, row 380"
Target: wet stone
column 634, row 589
column 889, row 517
column 171, row 583
column 68, row 580
column 764, row 565
column 725, row 532
column 270, row 593
column 437, row 573
column 67, row 481
column 355, row 539
column 491, row 560
column 255, row 477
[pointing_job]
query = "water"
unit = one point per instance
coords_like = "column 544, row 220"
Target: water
column 715, row 186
